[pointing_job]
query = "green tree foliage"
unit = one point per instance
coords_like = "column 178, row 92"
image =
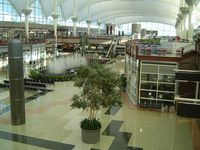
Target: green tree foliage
column 100, row 87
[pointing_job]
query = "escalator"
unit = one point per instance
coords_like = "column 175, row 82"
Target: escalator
column 112, row 50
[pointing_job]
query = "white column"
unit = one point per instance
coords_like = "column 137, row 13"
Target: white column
column 55, row 19
column 74, row 19
column 177, row 28
column 183, row 28
column 89, row 24
column 55, row 16
column 27, row 11
column 184, row 10
column 74, row 8
column 178, row 24
column 26, row 3
column 180, row 28
column 184, row 32
column 74, row 28
column 89, row 21
column 99, row 27
column 27, row 26
column 113, row 29
column 190, row 25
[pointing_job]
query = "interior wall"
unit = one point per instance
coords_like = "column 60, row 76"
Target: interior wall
column 189, row 62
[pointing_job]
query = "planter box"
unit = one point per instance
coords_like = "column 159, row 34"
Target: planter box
column 90, row 136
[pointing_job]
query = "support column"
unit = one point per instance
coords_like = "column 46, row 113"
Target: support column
column 119, row 30
column 16, row 78
column 27, row 11
column 99, row 27
column 191, row 6
column 55, row 16
column 89, row 21
column 74, row 19
column 136, row 29
column 177, row 28
column 143, row 33
column 89, row 24
column 108, row 29
column 182, row 27
column 184, row 11
column 185, row 32
column 190, row 25
column 179, row 22
column 113, row 29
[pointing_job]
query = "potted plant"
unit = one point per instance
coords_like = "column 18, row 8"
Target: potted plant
column 100, row 88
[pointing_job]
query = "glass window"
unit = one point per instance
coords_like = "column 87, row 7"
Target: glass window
column 37, row 15
column 1, row 8
column 163, row 29
column 7, row 12
column 49, row 20
column 61, row 19
column 83, row 24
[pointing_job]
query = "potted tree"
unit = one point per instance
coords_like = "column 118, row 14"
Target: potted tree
column 100, row 88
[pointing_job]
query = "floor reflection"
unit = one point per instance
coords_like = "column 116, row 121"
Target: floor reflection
column 29, row 96
column 198, row 123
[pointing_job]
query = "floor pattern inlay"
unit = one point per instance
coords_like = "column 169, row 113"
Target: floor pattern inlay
column 35, row 141
column 121, row 138
column 112, row 110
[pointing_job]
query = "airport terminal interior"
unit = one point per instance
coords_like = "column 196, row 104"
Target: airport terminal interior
column 151, row 46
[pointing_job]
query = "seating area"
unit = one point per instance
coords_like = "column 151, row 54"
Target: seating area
column 28, row 85
column 164, row 107
column 150, row 104
column 48, row 81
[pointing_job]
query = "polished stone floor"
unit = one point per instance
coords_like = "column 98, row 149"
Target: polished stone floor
column 52, row 124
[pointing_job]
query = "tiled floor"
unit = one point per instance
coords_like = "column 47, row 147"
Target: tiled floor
column 52, row 124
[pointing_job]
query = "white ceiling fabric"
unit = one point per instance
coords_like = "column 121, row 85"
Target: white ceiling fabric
column 113, row 11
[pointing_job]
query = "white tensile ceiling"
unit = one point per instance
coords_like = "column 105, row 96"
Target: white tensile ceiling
column 113, row 11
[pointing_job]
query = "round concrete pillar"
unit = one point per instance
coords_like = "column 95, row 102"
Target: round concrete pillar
column 16, row 78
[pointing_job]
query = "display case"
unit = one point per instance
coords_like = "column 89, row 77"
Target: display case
column 132, row 78
column 157, row 83
column 150, row 78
